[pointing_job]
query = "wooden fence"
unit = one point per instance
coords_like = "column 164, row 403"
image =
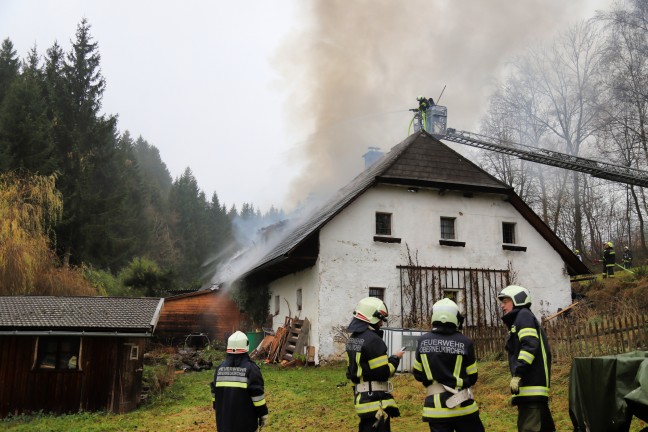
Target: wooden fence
column 599, row 336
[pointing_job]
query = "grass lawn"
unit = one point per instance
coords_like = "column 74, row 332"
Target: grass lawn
column 306, row 399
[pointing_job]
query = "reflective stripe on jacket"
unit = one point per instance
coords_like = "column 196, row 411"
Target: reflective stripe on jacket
column 447, row 357
column 239, row 397
column 529, row 355
column 368, row 361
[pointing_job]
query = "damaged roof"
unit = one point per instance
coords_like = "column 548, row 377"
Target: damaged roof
column 24, row 314
column 420, row 160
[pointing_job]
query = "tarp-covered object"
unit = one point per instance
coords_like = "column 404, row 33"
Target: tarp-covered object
column 605, row 392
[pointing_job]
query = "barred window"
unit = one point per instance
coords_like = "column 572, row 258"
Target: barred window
column 448, row 228
column 383, row 223
column 508, row 232
column 377, row 292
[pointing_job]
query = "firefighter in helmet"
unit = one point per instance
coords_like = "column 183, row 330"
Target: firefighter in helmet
column 627, row 257
column 446, row 365
column 369, row 367
column 238, row 391
column 529, row 360
column 609, row 260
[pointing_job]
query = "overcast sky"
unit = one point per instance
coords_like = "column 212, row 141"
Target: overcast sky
column 268, row 101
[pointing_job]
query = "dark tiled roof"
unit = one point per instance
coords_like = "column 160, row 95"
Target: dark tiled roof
column 420, row 159
column 426, row 159
column 79, row 313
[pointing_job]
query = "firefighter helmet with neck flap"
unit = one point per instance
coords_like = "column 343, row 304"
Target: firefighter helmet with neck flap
column 445, row 311
column 371, row 310
column 238, row 343
column 519, row 295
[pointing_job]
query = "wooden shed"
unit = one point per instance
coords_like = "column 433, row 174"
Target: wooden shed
column 69, row 354
column 210, row 312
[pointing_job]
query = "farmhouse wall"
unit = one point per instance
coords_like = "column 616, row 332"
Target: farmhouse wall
column 350, row 261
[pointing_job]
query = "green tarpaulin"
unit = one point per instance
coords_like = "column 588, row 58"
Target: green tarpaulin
column 605, row 392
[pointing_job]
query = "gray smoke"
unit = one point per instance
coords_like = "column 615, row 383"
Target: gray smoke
column 352, row 68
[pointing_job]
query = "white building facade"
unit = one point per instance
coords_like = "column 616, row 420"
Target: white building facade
column 388, row 224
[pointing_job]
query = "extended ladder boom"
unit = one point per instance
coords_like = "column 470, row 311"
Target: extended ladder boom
column 595, row 168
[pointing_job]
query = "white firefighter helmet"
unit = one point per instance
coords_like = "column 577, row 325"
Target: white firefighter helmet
column 237, row 343
column 519, row 295
column 371, row 310
column 445, row 311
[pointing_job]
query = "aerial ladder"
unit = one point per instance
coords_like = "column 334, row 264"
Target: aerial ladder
column 435, row 120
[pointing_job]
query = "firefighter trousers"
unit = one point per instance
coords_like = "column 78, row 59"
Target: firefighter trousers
column 366, row 425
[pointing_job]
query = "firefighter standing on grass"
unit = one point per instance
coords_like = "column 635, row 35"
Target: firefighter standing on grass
column 529, row 360
column 369, row 367
column 609, row 260
column 238, row 390
column 445, row 363
column 627, row 257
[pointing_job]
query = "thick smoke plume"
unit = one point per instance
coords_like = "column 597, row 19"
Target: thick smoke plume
column 353, row 68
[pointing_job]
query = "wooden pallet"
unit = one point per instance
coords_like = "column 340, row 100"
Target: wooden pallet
column 296, row 340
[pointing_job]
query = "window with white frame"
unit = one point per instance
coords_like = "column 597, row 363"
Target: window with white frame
column 277, row 304
column 448, row 228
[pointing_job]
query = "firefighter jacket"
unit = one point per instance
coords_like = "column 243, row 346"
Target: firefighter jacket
column 368, row 362
column 627, row 256
column 529, row 355
column 238, row 392
column 447, row 357
column 609, row 257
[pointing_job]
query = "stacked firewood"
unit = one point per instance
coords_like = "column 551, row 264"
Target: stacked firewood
column 271, row 346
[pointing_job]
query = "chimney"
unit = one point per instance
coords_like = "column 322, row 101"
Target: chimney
column 372, row 156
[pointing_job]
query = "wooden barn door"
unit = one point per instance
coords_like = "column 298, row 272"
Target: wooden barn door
column 128, row 385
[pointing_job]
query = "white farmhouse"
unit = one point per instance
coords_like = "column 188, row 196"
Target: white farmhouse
column 420, row 224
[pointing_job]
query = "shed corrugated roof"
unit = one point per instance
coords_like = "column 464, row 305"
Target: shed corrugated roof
column 79, row 313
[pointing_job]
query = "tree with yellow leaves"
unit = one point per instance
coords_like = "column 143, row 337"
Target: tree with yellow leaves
column 30, row 206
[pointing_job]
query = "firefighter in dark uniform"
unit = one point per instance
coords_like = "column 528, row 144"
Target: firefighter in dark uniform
column 529, row 359
column 238, row 391
column 609, row 260
column 369, row 367
column 445, row 363
column 627, row 257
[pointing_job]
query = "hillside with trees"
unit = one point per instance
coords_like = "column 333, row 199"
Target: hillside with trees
column 131, row 229
column 84, row 202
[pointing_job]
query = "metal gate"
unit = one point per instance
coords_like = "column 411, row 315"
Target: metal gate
column 474, row 290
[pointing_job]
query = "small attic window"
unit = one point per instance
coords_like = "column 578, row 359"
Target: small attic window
column 383, row 224
column 508, row 233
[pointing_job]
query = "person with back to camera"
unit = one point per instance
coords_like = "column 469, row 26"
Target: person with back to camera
column 446, row 365
column 627, row 257
column 369, row 368
column 238, row 390
column 529, row 358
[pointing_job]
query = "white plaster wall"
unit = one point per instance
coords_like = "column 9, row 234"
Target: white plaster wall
column 350, row 261
column 286, row 288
